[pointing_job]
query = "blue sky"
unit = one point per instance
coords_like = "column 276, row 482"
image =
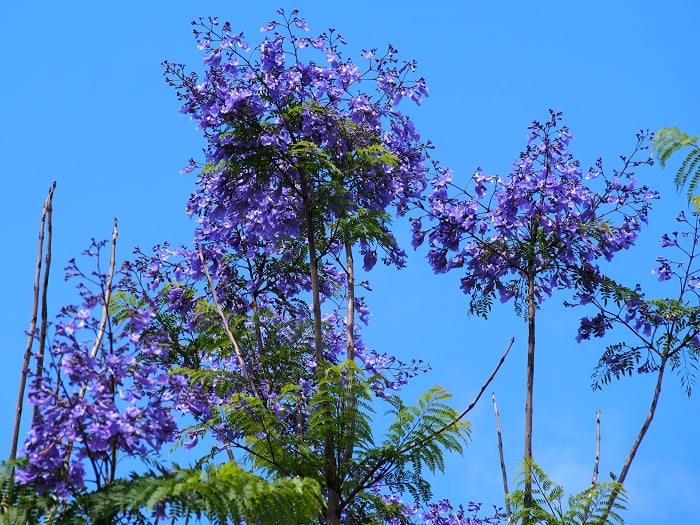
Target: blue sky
column 85, row 104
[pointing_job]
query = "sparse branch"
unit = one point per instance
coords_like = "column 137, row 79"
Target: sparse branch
column 640, row 437
column 45, row 218
column 106, row 295
column 350, row 318
column 382, row 464
column 594, row 480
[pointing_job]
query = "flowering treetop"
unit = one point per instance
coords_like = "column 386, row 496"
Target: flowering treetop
column 291, row 126
column 545, row 220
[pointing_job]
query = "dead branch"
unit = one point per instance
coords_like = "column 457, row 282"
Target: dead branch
column 597, row 448
column 107, row 293
column 424, row 439
column 504, row 472
column 45, row 217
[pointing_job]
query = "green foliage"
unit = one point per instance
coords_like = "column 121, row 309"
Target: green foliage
column 418, row 438
column 551, row 507
column 626, row 359
column 665, row 330
column 666, row 143
column 223, row 494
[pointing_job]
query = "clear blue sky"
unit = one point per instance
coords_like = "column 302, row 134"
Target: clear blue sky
column 85, row 104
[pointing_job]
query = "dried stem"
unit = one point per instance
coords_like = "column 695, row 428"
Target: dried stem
column 424, row 439
column 44, row 301
column 594, row 480
column 45, row 217
column 107, row 293
column 420, row 441
column 504, row 472
column 350, row 317
column 350, row 336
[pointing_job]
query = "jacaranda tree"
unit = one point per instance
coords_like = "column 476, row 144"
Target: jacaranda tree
column 534, row 231
column 245, row 352
column 245, row 347
column 660, row 333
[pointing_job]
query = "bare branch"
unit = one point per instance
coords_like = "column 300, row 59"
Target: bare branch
column 504, row 472
column 597, row 448
column 640, row 437
column 45, row 217
column 107, row 293
column 382, row 463
column 44, row 292
column 424, row 439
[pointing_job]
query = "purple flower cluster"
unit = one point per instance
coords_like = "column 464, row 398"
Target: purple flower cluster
column 93, row 400
column 546, row 219
column 441, row 513
column 291, row 125
column 301, row 142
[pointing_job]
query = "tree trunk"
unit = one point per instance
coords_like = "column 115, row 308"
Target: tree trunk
column 527, row 454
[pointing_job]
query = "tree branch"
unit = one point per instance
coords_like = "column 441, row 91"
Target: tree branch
column 45, row 217
column 424, row 439
column 225, row 325
column 504, row 472
column 107, row 293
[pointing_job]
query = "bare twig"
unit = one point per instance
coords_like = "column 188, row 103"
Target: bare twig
column 350, row 318
column 107, row 293
column 350, row 337
column 225, row 324
column 382, row 463
column 504, row 472
column 45, row 217
column 44, row 302
column 597, row 448
column 424, row 439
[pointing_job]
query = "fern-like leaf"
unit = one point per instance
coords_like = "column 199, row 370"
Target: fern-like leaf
column 666, row 143
column 599, row 504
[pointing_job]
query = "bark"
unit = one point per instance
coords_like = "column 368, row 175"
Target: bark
column 530, row 373
column 45, row 217
column 504, row 472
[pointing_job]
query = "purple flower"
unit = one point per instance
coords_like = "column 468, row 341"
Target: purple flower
column 541, row 220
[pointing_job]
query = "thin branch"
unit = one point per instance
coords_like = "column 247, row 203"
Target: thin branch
column 225, row 324
column 107, row 293
column 638, row 441
column 382, row 463
column 45, row 215
column 350, row 352
column 44, row 292
column 597, row 448
column 350, row 318
column 504, row 472
column 424, row 439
